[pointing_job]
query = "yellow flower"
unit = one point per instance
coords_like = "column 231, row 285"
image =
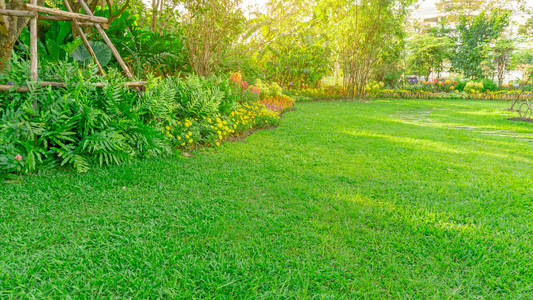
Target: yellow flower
column 167, row 127
column 189, row 133
column 190, row 141
column 183, row 144
column 179, row 138
column 218, row 144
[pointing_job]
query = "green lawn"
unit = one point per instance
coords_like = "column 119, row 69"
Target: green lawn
column 391, row 198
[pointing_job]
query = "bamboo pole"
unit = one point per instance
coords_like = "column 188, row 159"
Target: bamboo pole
column 33, row 46
column 61, row 13
column 54, row 18
column 108, row 41
column 84, row 39
column 23, row 89
column 17, row 13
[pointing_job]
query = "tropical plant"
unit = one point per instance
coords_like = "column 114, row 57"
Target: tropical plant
column 101, row 50
column 78, row 126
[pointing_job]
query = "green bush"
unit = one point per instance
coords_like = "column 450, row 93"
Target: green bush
column 268, row 89
column 78, row 126
column 460, row 86
column 473, row 87
column 489, row 85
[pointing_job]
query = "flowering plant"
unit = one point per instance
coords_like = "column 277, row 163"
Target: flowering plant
column 279, row 103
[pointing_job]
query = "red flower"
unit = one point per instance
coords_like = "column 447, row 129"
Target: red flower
column 254, row 90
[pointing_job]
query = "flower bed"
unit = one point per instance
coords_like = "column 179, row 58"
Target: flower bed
column 278, row 103
column 213, row 131
column 309, row 94
column 81, row 126
column 497, row 95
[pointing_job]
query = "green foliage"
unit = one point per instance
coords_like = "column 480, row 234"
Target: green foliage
column 211, row 28
column 489, row 85
column 324, row 92
column 428, row 53
column 82, row 56
column 147, row 52
column 363, row 33
column 373, row 87
column 460, row 86
column 473, row 87
column 471, row 56
column 268, row 89
column 56, row 42
column 78, row 126
column 297, row 61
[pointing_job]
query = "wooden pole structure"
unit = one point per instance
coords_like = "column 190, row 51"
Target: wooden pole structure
column 107, row 41
column 17, row 13
column 61, row 13
column 33, row 46
column 23, row 89
column 84, row 39
column 32, row 10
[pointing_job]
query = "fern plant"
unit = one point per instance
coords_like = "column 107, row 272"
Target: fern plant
column 78, row 126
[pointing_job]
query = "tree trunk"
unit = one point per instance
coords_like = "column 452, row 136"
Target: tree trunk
column 10, row 29
column 155, row 7
column 6, row 46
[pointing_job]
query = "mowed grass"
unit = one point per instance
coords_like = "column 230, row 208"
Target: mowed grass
column 391, row 198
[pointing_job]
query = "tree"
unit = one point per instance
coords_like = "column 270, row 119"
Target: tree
column 523, row 60
column 361, row 31
column 428, row 54
column 10, row 29
column 526, row 29
column 473, row 42
column 211, row 27
column 502, row 54
column 454, row 10
column 289, row 43
column 161, row 13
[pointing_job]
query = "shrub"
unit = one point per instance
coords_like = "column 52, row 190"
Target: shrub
column 473, row 87
column 268, row 89
column 328, row 92
column 373, row 87
column 489, row 85
column 460, row 86
column 78, row 126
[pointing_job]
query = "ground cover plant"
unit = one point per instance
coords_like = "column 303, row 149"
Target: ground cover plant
column 389, row 198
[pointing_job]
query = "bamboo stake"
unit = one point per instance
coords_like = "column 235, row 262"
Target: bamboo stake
column 54, row 18
column 23, row 89
column 108, row 41
column 61, row 13
column 17, row 13
column 33, row 45
column 84, row 39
